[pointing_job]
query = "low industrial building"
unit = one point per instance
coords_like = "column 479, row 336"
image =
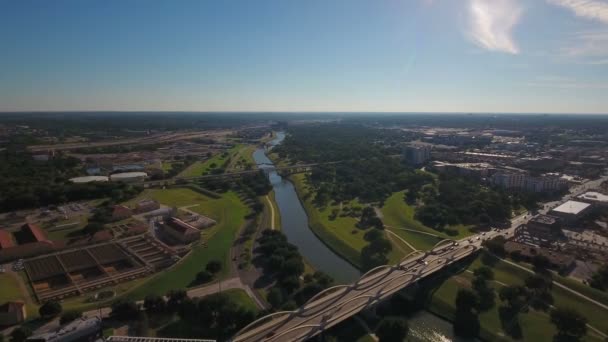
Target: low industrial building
column 12, row 313
column 544, row 225
column 89, row 179
column 121, row 212
column 571, row 210
column 129, row 177
column 560, row 261
column 180, row 230
column 6, row 239
column 146, row 205
column 593, row 197
column 82, row 329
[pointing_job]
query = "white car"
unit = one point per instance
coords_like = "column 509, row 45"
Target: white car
column 477, row 238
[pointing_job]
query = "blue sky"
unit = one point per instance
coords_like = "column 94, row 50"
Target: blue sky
column 313, row 55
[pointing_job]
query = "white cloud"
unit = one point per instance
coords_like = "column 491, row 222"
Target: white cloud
column 492, row 23
column 592, row 9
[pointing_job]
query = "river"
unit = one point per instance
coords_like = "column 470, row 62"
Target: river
column 424, row 326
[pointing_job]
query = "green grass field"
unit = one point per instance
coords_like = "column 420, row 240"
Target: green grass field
column 241, row 157
column 241, row 298
column 10, row 290
column 200, row 167
column 535, row 325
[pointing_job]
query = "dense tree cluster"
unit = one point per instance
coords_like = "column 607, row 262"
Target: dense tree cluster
column 536, row 294
column 376, row 252
column 370, row 168
column 460, row 201
column 599, row 279
column 392, row 329
column 571, row 325
column 26, row 183
column 282, row 259
column 469, row 303
column 50, row 309
column 369, row 218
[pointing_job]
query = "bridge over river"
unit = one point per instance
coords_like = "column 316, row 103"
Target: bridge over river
column 338, row 303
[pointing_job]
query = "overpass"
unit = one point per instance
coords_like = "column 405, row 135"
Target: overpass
column 338, row 303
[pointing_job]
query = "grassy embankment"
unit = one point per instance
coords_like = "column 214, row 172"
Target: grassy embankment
column 535, row 325
column 229, row 213
column 341, row 233
column 398, row 214
column 10, row 290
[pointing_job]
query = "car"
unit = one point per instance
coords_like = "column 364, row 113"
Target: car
column 477, row 238
column 455, row 244
column 483, row 234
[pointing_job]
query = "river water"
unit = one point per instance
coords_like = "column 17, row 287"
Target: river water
column 424, row 326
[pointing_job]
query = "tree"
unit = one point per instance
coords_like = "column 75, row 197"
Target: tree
column 275, row 297
column 21, row 334
column 203, row 277
column 50, row 309
column 69, row 316
column 213, row 266
column 124, row 310
column 375, row 254
column 175, row 298
column 93, row 227
column 154, row 303
column 466, row 324
column 541, row 263
column 466, row 300
column 571, row 326
column 392, row 329
column 484, row 272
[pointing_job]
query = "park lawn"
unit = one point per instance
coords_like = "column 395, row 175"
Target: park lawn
column 398, row 214
column 201, row 167
column 242, row 299
column 10, row 290
column 419, row 240
column 244, row 156
column 535, row 325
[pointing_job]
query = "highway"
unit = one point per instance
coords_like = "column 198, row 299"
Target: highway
column 338, row 303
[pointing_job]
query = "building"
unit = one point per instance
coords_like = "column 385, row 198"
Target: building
column 560, row 261
column 571, row 210
column 523, row 181
column 544, row 225
column 121, row 212
column 89, row 179
column 593, row 197
column 80, row 330
column 12, row 313
column 470, row 170
column 30, row 233
column 180, row 230
column 129, row 177
column 146, row 205
column 152, row 339
column 6, row 239
column 417, row 154
column 509, row 180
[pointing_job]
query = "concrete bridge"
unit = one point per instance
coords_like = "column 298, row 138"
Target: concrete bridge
column 338, row 303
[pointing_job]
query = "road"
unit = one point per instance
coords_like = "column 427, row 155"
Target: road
column 152, row 139
column 338, row 303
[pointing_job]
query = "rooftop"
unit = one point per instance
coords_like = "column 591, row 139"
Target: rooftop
column 593, row 197
column 544, row 219
column 572, row 207
column 6, row 240
column 181, row 226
